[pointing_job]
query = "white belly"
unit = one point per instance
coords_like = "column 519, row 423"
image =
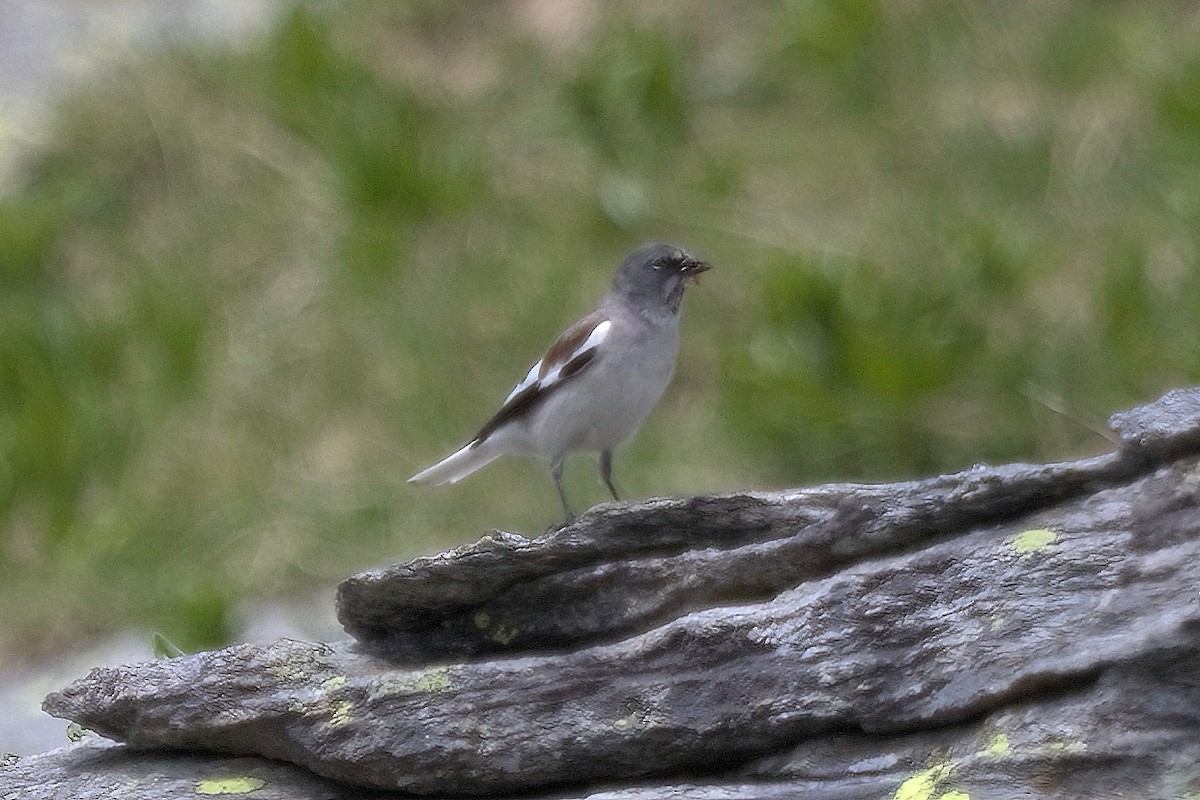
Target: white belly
column 606, row 403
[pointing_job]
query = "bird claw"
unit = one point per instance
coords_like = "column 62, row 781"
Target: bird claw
column 555, row 527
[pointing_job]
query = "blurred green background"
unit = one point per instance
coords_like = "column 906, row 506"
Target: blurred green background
column 246, row 291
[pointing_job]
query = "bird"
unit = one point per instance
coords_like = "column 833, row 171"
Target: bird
column 593, row 388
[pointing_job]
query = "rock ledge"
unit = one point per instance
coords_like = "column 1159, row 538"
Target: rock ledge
column 1017, row 630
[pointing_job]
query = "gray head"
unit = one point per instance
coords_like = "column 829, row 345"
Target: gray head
column 655, row 275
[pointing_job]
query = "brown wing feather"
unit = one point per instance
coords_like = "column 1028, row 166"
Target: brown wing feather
column 568, row 342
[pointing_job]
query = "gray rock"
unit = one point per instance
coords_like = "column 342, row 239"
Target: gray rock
column 98, row 770
column 625, row 569
column 1019, row 630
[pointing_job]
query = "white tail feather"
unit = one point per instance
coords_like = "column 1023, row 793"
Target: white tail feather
column 457, row 466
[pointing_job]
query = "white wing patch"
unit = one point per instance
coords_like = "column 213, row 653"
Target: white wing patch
column 529, row 379
column 599, row 334
column 535, row 376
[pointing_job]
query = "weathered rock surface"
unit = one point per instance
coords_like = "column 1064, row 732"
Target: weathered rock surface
column 1010, row 631
column 98, row 770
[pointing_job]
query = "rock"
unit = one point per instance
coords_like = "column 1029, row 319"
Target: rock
column 96, row 770
column 1163, row 429
column 1007, row 630
column 625, row 569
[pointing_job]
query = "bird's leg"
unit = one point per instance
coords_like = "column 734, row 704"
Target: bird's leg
column 606, row 471
column 556, row 471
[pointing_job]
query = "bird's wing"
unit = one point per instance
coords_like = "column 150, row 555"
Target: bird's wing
column 573, row 351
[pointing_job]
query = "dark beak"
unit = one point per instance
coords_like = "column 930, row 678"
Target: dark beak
column 692, row 269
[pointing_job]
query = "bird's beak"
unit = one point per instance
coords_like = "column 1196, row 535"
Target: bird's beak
column 692, row 270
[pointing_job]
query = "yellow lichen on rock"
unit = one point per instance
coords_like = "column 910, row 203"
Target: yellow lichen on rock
column 1032, row 541
column 243, row 784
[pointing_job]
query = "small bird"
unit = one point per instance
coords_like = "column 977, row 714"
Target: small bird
column 596, row 383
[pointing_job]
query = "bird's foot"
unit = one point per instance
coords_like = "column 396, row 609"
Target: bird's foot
column 555, row 527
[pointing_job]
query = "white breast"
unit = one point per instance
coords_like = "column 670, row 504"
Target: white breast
column 606, row 404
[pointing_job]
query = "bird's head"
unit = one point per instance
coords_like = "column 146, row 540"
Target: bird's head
column 657, row 274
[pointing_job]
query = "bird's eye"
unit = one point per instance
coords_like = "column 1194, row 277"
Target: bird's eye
column 657, row 265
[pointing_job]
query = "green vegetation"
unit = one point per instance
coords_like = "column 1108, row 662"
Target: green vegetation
column 245, row 293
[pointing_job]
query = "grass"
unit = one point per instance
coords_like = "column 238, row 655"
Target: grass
column 245, row 293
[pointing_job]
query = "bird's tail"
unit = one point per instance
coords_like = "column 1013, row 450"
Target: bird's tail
column 457, row 466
